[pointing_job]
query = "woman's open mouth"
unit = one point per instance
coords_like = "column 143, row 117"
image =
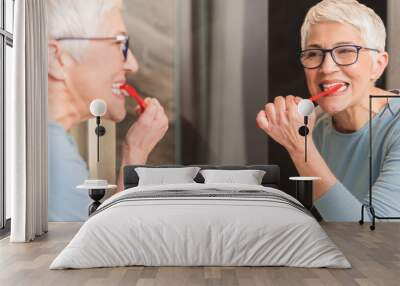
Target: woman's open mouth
column 117, row 91
column 326, row 86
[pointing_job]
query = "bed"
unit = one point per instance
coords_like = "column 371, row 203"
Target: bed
column 201, row 224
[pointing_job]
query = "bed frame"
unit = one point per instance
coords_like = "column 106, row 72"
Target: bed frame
column 270, row 179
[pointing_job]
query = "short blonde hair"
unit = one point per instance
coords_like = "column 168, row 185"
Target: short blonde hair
column 350, row 12
column 79, row 18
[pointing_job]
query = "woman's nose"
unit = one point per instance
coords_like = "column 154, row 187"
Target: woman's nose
column 131, row 63
column 328, row 64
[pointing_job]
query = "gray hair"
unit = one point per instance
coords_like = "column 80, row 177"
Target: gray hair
column 79, row 18
column 351, row 12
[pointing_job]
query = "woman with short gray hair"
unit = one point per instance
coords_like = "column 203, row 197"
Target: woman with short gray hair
column 343, row 44
column 89, row 58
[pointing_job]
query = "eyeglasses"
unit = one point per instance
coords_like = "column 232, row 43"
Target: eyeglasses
column 119, row 38
column 344, row 55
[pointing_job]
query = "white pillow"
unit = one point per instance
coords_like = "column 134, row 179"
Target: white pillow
column 248, row 177
column 162, row 176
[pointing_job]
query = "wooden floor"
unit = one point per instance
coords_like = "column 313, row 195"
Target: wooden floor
column 375, row 257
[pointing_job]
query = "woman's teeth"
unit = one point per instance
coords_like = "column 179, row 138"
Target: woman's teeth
column 343, row 88
column 324, row 87
column 116, row 90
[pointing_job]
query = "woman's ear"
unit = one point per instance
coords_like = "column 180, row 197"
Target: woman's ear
column 380, row 63
column 56, row 63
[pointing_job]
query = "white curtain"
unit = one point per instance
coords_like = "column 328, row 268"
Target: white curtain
column 26, row 123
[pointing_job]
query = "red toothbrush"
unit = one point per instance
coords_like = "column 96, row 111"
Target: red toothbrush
column 327, row 92
column 133, row 93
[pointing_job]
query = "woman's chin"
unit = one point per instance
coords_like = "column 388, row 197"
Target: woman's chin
column 120, row 117
column 332, row 107
column 117, row 116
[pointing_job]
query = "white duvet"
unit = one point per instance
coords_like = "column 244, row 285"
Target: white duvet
column 185, row 231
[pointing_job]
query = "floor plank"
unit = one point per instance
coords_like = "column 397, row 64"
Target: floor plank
column 374, row 255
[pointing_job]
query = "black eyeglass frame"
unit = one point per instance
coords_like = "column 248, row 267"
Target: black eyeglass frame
column 119, row 38
column 358, row 48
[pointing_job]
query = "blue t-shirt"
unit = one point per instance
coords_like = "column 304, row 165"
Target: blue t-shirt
column 347, row 155
column 67, row 169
